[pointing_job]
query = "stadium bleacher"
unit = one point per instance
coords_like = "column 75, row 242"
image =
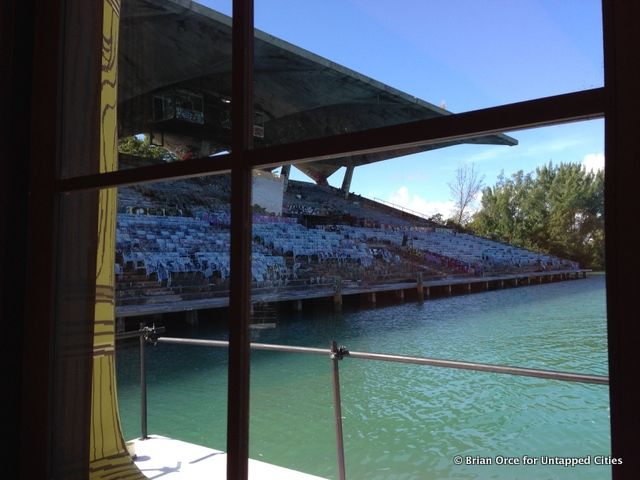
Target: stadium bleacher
column 174, row 240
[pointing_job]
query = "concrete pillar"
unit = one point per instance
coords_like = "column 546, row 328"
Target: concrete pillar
column 371, row 298
column 191, row 316
column 420, row 288
column 297, row 305
column 486, row 285
column 346, row 181
column 468, row 287
column 501, row 283
column 337, row 302
column 337, row 295
column 584, row 274
column 515, row 282
column 120, row 327
column 449, row 289
column 427, row 292
column 400, row 295
column 284, row 174
column 528, row 280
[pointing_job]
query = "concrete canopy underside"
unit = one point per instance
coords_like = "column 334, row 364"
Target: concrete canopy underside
column 182, row 45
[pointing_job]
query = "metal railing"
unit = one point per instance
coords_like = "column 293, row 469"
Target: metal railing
column 400, row 207
column 335, row 354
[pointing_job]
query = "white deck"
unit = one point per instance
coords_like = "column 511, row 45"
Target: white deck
column 168, row 459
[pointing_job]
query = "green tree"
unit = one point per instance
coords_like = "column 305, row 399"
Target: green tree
column 143, row 148
column 556, row 209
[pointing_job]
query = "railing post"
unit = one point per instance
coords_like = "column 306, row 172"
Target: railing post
column 336, row 355
column 143, row 386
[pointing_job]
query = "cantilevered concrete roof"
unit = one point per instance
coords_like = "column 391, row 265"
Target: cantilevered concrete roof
column 180, row 44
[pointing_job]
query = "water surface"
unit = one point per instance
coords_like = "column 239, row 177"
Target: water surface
column 401, row 421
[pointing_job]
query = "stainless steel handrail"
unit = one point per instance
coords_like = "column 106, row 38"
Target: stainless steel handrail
column 486, row 367
column 434, row 362
column 336, row 353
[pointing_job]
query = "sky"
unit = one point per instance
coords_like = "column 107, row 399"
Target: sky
column 463, row 55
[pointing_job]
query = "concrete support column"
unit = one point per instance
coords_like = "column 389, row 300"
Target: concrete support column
column 284, row 173
column 449, row 290
column 400, row 295
column 346, row 181
column 468, row 287
column 191, row 317
column 297, row 305
column 120, row 327
column 486, row 285
column 501, row 283
column 420, row 288
column 337, row 295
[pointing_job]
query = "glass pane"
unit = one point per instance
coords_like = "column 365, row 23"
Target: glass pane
column 290, row 392
column 329, row 67
column 384, row 260
column 167, row 79
column 172, row 271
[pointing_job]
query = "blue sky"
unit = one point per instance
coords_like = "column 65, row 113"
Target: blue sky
column 465, row 54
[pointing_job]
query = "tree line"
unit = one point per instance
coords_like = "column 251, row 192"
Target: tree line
column 557, row 209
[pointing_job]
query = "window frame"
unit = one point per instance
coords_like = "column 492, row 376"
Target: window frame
column 617, row 102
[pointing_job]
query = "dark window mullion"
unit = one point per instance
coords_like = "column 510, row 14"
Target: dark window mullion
column 152, row 173
column 576, row 106
column 540, row 112
column 240, row 286
column 622, row 170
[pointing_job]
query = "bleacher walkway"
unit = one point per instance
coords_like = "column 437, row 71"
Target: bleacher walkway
column 269, row 295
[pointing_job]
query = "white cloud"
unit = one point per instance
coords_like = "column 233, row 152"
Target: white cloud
column 593, row 161
column 541, row 149
column 554, row 145
column 417, row 203
column 492, row 153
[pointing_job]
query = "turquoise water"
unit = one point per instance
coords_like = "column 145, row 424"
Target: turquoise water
column 402, row 421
